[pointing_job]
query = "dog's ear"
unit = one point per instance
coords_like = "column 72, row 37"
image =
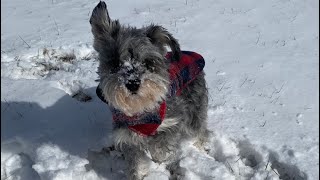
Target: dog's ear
column 102, row 25
column 160, row 36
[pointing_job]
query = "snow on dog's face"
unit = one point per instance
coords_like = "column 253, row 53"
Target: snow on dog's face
column 133, row 69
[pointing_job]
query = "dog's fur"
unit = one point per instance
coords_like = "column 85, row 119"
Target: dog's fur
column 131, row 55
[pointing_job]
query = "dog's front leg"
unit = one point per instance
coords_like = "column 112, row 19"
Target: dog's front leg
column 138, row 162
column 163, row 146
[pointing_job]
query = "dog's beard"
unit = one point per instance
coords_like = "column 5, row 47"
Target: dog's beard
column 153, row 90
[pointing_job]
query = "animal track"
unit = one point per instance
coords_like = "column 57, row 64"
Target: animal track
column 286, row 171
column 248, row 154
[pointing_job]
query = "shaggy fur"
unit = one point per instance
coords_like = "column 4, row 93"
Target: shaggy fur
column 134, row 78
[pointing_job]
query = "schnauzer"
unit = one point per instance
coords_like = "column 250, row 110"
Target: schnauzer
column 157, row 98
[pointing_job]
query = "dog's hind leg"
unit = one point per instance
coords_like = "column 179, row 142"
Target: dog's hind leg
column 202, row 133
column 196, row 95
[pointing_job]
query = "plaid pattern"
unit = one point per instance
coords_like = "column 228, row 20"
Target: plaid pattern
column 144, row 124
column 182, row 73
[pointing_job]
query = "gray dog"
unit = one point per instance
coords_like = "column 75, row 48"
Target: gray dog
column 157, row 98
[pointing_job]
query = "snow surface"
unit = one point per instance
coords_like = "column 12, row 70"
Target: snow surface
column 262, row 72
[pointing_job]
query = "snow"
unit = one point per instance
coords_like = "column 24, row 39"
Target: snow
column 262, row 72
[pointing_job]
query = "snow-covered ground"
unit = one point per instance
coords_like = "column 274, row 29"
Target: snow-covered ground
column 262, row 72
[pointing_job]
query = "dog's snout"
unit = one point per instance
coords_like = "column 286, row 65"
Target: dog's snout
column 133, row 85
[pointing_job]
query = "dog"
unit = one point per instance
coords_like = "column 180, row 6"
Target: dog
column 157, row 98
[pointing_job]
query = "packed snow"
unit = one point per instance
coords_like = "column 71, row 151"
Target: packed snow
column 262, row 72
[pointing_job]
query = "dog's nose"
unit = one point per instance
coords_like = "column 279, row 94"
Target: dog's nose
column 133, row 85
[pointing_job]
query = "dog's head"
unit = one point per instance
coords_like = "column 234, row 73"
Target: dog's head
column 133, row 69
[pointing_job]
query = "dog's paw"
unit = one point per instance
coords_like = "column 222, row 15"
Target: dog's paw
column 176, row 171
column 202, row 146
column 202, row 142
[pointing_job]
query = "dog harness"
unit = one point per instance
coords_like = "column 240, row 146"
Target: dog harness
column 181, row 73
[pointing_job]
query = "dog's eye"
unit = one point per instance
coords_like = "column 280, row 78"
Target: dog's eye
column 114, row 62
column 130, row 50
column 115, row 66
column 149, row 65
